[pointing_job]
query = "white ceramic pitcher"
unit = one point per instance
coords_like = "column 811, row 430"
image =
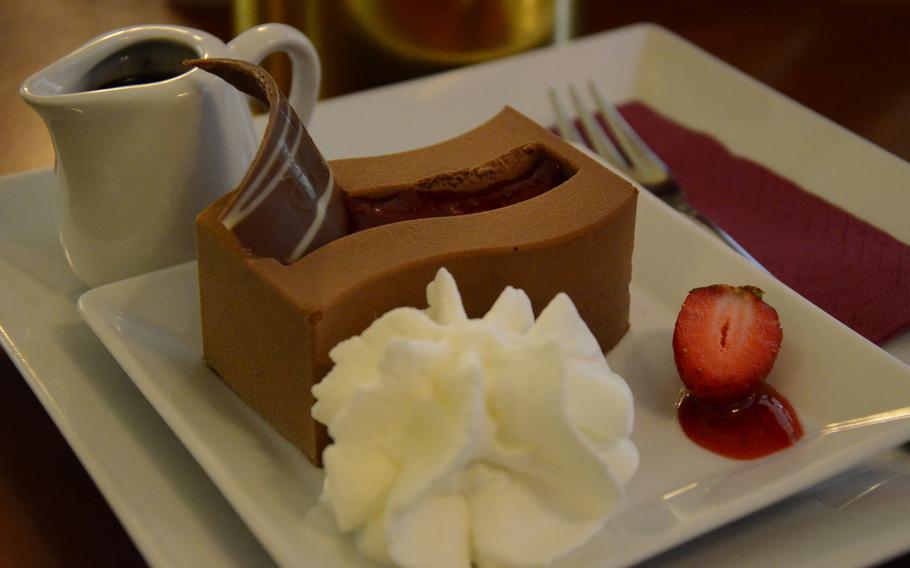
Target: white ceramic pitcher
column 143, row 144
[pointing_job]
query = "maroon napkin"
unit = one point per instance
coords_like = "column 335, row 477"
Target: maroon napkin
column 857, row 273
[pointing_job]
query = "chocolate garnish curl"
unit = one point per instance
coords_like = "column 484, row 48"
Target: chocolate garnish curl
column 286, row 205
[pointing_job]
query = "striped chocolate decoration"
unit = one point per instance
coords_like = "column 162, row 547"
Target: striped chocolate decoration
column 286, row 205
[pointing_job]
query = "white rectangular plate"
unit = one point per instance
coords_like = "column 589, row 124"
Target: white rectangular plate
column 151, row 325
column 165, row 500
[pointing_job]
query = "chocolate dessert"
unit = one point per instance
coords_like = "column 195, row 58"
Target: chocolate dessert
column 286, row 205
column 506, row 204
column 519, row 175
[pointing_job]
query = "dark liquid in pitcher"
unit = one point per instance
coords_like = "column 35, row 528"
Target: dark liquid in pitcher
column 141, row 63
column 136, row 80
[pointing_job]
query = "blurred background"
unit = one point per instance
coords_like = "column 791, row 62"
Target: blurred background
column 846, row 59
column 843, row 58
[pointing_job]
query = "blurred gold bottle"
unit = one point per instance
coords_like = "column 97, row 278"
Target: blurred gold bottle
column 365, row 43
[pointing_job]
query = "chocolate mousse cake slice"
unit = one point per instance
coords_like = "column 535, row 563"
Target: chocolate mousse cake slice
column 506, row 204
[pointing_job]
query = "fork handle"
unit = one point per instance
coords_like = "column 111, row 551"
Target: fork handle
column 683, row 206
column 725, row 236
column 722, row 234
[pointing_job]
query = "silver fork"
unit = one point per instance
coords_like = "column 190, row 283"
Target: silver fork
column 636, row 159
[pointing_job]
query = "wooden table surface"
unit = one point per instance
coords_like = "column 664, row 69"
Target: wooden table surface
column 844, row 59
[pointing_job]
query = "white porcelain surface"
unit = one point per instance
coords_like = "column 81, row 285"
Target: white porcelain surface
column 177, row 516
column 165, row 501
column 151, row 325
column 136, row 164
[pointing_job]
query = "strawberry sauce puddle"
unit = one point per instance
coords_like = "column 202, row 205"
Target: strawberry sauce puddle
column 367, row 212
column 765, row 424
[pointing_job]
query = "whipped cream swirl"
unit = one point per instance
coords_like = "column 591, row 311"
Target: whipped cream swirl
column 499, row 441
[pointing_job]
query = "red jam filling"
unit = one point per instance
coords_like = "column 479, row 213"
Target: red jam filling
column 763, row 425
column 366, row 212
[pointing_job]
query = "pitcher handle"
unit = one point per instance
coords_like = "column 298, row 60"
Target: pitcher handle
column 256, row 43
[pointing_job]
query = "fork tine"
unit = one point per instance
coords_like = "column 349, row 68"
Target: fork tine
column 566, row 130
column 647, row 168
column 601, row 142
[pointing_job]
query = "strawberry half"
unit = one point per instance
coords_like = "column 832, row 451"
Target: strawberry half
column 725, row 342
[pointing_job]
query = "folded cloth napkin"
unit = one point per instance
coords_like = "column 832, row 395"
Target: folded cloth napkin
column 857, row 273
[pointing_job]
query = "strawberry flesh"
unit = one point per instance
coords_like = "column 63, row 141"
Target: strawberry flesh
column 725, row 342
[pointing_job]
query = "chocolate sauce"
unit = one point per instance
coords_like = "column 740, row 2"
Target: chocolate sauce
column 140, row 79
column 140, row 63
column 366, row 212
column 763, row 425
